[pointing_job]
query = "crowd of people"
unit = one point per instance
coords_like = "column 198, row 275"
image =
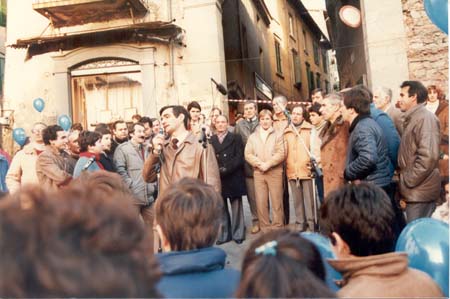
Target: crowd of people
column 349, row 164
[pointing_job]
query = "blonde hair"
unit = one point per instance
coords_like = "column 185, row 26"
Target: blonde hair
column 264, row 112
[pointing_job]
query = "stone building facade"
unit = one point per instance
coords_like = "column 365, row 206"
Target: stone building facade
column 101, row 60
column 427, row 46
column 395, row 42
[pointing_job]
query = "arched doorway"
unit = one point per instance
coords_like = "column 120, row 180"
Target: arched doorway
column 105, row 90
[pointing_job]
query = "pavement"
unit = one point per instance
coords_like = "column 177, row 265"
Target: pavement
column 235, row 252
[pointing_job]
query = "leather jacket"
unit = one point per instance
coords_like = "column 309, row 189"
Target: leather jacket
column 419, row 155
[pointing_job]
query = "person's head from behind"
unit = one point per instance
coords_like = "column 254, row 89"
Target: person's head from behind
column 359, row 220
column 356, row 103
column 76, row 127
column 282, row 264
column 102, row 180
column 188, row 215
column 55, row 136
column 136, row 118
column 77, row 243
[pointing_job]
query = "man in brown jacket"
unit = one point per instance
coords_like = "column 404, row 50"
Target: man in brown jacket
column 418, row 154
column 265, row 153
column 51, row 167
column 181, row 155
column 298, row 167
column 334, row 143
column 363, row 247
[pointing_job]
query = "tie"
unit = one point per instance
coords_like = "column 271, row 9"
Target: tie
column 174, row 143
column 142, row 152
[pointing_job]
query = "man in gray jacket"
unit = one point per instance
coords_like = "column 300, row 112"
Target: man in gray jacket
column 418, row 155
column 129, row 160
column 244, row 128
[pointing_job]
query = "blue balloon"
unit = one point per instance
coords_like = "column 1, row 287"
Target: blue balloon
column 39, row 104
column 19, row 136
column 425, row 240
column 437, row 11
column 65, row 122
column 323, row 244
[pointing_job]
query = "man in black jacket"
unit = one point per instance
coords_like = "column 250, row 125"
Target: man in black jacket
column 230, row 158
column 367, row 155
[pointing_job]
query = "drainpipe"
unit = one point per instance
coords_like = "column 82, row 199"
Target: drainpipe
column 171, row 48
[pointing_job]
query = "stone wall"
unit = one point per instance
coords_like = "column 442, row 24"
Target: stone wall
column 427, row 46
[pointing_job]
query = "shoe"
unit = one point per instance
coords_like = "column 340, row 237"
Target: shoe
column 238, row 241
column 222, row 242
column 255, row 229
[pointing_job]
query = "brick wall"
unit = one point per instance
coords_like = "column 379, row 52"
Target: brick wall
column 427, row 46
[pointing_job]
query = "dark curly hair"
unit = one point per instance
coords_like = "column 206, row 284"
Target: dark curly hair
column 88, row 138
column 51, row 133
column 363, row 217
column 80, row 242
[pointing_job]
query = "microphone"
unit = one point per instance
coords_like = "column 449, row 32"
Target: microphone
column 159, row 147
column 287, row 114
column 88, row 163
column 203, row 135
column 220, row 87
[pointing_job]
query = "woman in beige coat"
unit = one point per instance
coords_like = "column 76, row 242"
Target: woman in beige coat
column 265, row 153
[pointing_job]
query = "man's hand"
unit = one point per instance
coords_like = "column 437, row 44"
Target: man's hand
column 264, row 166
column 157, row 142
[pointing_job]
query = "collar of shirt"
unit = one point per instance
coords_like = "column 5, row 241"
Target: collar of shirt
column 221, row 136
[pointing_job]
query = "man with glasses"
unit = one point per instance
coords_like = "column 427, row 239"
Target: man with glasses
column 23, row 166
column 418, row 153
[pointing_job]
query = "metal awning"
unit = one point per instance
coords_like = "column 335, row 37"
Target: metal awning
column 162, row 32
column 78, row 12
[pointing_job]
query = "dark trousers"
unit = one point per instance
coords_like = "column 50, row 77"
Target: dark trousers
column 234, row 229
column 251, row 197
column 416, row 210
column 319, row 187
column 399, row 217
